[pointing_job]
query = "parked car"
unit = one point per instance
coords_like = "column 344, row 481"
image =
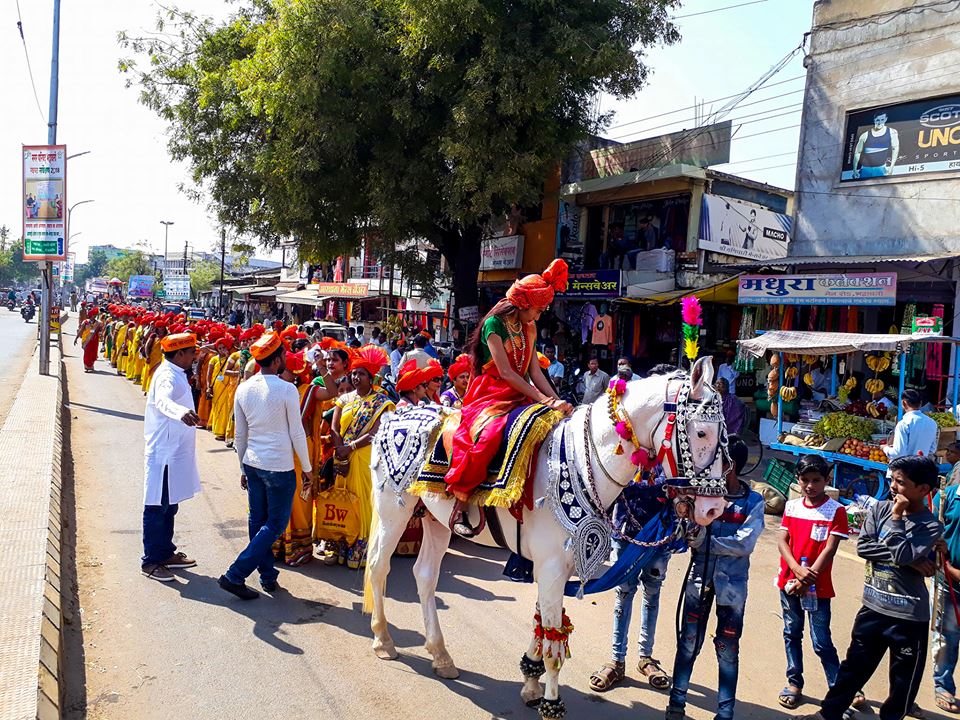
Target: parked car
column 175, row 308
column 327, row 329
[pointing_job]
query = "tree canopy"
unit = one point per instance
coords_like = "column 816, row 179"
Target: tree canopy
column 388, row 121
column 203, row 275
column 131, row 262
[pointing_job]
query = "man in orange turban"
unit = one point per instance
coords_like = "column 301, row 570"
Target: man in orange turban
column 459, row 374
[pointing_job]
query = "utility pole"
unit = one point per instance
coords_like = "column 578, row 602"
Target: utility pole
column 223, row 258
column 166, row 236
column 46, row 267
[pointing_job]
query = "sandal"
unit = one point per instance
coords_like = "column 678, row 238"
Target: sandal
column 946, row 701
column 789, row 697
column 859, row 700
column 650, row 668
column 608, row 676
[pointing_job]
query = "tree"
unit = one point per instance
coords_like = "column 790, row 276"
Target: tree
column 332, row 121
column 95, row 267
column 203, row 275
column 131, row 262
column 13, row 269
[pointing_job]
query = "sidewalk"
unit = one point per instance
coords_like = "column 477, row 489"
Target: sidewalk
column 30, row 454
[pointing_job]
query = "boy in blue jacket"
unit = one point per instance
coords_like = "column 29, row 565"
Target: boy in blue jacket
column 720, row 566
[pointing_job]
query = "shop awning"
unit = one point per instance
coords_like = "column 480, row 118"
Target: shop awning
column 615, row 182
column 302, row 297
column 725, row 292
column 834, row 343
column 849, row 260
column 254, row 290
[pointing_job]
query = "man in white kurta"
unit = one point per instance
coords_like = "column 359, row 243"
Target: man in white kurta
column 170, row 463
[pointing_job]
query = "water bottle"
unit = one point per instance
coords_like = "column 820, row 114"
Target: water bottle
column 808, row 602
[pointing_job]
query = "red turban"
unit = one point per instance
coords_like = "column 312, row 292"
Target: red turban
column 409, row 376
column 538, row 290
column 432, row 370
column 459, row 366
column 371, row 358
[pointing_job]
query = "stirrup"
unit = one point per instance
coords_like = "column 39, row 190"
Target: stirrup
column 460, row 523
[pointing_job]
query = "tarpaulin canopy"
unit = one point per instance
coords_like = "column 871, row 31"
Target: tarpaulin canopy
column 833, row 343
column 724, row 292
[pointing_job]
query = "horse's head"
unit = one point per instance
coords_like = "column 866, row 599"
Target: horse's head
column 695, row 441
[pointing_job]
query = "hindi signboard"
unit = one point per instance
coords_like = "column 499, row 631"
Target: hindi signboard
column 44, row 203
column 839, row 289
column 731, row 227
column 927, row 325
column 469, row 314
column 343, row 289
column 140, row 286
column 596, row 284
column 501, row 253
column 176, row 287
column 911, row 138
column 68, row 267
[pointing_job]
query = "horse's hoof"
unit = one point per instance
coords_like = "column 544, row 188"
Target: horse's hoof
column 532, row 698
column 386, row 652
column 447, row 672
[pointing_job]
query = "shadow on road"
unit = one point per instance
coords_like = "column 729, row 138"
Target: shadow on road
column 106, row 411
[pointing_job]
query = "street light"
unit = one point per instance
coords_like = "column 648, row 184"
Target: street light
column 166, row 234
column 76, row 155
column 69, row 211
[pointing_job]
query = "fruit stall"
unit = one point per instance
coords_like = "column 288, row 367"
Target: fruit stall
column 847, row 432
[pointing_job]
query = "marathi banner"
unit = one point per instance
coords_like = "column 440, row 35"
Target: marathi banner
column 840, row 289
column 343, row 289
column 44, row 203
column 501, row 253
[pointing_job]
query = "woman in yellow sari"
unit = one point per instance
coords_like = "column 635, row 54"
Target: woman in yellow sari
column 204, row 355
column 154, row 354
column 356, row 419
column 216, row 382
column 134, row 358
column 119, row 347
column 233, row 371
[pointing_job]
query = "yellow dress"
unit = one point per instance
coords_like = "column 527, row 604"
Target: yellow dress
column 118, row 348
column 357, row 416
column 150, row 367
column 218, row 407
column 135, row 361
column 233, row 382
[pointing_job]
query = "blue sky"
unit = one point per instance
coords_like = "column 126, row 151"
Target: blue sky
column 134, row 184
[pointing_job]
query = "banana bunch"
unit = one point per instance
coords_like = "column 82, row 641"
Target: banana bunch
column 873, row 409
column 874, row 386
column 788, row 393
column 792, row 357
column 791, row 373
column 808, row 379
column 878, row 363
column 850, row 384
column 809, row 359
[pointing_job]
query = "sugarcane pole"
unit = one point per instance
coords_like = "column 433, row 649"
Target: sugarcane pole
column 939, row 579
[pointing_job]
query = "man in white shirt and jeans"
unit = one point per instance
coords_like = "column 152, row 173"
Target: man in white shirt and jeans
column 170, row 473
column 268, row 432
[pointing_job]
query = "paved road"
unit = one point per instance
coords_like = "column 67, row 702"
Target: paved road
column 19, row 341
column 188, row 650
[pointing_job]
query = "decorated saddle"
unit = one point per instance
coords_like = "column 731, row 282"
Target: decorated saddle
column 412, row 452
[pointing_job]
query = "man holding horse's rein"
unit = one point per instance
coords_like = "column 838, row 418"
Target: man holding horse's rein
column 506, row 376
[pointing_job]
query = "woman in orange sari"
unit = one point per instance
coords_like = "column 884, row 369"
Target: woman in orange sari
column 506, row 376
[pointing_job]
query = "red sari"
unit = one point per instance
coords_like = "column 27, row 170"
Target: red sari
column 91, row 345
column 488, row 402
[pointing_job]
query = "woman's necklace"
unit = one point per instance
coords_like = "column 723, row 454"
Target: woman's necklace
column 518, row 343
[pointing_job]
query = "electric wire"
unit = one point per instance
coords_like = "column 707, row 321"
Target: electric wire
column 26, row 54
column 719, row 9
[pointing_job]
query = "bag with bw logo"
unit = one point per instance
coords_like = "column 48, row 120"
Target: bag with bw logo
column 337, row 514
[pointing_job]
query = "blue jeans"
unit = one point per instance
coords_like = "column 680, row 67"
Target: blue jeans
column 158, row 528
column 819, row 634
column 652, row 578
column 696, row 609
column 946, row 648
column 270, row 496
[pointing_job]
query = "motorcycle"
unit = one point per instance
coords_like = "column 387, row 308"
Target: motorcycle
column 569, row 389
column 27, row 312
column 11, row 305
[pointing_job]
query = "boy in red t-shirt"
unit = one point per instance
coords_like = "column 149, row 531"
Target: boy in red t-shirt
column 813, row 526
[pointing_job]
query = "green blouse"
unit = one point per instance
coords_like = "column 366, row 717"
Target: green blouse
column 493, row 325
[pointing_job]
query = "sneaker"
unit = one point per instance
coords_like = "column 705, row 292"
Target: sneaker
column 179, row 561
column 157, row 571
column 270, row 586
column 240, row 590
column 674, row 713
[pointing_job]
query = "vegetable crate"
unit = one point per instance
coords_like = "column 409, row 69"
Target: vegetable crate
column 779, row 474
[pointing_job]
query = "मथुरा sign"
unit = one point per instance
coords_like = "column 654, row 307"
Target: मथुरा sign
column 839, row 289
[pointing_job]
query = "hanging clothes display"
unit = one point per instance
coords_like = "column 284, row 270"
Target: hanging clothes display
column 745, row 362
column 602, row 330
column 588, row 317
column 935, row 350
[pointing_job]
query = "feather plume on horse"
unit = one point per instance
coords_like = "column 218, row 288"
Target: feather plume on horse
column 671, row 420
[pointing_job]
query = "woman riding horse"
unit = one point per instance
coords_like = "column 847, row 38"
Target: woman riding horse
column 506, row 377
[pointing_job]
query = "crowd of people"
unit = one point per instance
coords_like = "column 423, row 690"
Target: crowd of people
column 302, row 413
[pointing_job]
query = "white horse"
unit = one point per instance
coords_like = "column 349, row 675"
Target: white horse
column 543, row 539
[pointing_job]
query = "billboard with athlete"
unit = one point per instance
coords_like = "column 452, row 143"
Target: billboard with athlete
column 912, row 138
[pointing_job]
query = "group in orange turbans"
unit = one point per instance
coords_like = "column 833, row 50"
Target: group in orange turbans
column 506, row 377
